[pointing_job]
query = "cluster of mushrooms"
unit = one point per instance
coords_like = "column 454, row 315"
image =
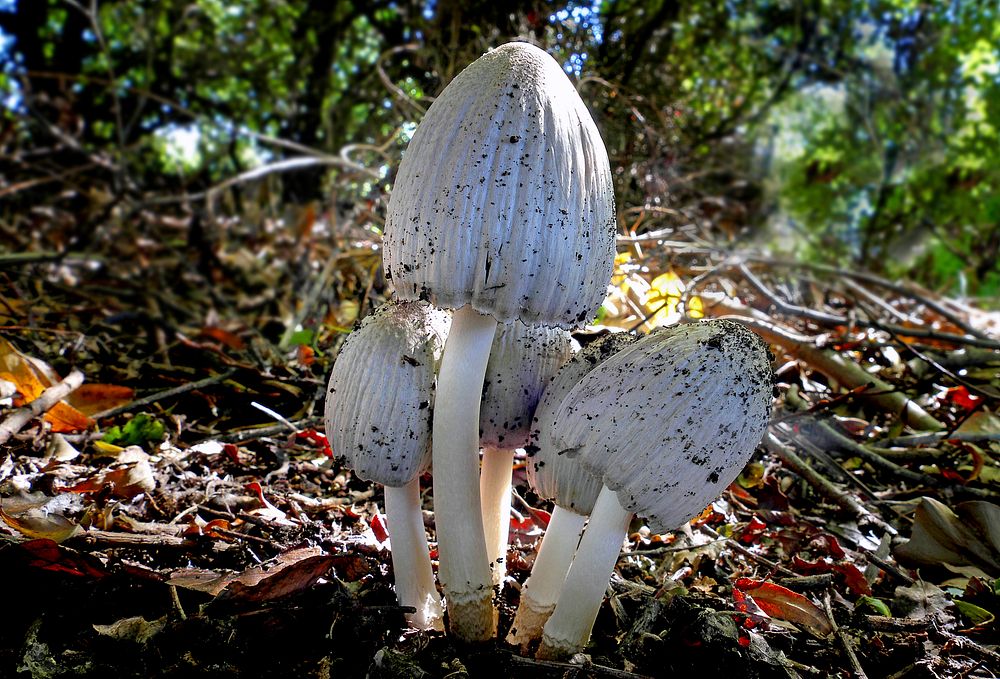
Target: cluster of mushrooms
column 500, row 237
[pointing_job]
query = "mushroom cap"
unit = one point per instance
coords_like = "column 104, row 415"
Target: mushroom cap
column 523, row 360
column 504, row 198
column 553, row 475
column 381, row 392
column 670, row 421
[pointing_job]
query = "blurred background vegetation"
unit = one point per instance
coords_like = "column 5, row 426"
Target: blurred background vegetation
column 848, row 132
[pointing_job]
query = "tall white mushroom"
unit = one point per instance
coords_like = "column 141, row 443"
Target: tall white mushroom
column 564, row 481
column 522, row 362
column 378, row 416
column 666, row 424
column 502, row 209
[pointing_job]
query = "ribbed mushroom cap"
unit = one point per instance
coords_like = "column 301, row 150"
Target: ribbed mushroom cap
column 504, row 198
column 552, row 474
column 381, row 392
column 670, row 421
column 523, row 360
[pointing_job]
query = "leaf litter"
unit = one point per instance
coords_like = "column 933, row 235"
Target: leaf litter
column 182, row 511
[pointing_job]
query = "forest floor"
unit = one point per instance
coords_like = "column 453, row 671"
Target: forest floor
column 179, row 514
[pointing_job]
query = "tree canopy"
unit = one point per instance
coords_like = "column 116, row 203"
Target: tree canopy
column 843, row 131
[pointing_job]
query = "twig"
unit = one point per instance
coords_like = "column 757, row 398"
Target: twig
column 241, row 435
column 393, row 87
column 865, row 277
column 873, row 458
column 47, row 400
column 844, row 642
column 286, row 165
column 276, row 415
column 165, row 394
column 571, row 670
column 886, row 566
column 937, row 437
column 847, row 374
column 822, row 484
column 833, row 320
column 103, row 538
column 985, row 392
column 733, row 544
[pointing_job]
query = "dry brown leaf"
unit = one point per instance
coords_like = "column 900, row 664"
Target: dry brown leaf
column 31, row 377
column 124, row 480
column 966, row 541
column 94, row 398
column 39, row 524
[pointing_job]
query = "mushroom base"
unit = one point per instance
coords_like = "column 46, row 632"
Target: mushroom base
column 541, row 591
column 568, row 630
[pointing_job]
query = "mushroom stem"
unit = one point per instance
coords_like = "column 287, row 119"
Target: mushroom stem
column 541, row 590
column 494, row 488
column 464, row 568
column 568, row 630
column 411, row 561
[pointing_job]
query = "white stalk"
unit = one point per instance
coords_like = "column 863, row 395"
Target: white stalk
column 568, row 630
column 494, row 488
column 463, row 565
column 541, row 590
column 411, row 561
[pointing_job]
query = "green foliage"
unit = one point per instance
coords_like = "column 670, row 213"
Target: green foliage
column 138, row 431
column 846, row 131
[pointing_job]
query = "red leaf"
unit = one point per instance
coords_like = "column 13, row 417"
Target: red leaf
column 232, row 451
column 317, row 439
column 784, row 604
column 47, row 555
column 751, row 533
column 961, row 398
column 853, row 578
column 378, row 528
column 833, row 547
column 224, row 336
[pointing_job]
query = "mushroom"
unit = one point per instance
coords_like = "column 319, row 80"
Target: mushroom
column 502, row 209
column 563, row 480
column 378, row 416
column 666, row 424
column 522, row 361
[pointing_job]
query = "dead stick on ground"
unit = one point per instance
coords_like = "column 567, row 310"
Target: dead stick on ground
column 167, row 393
column 844, row 372
column 572, row 670
column 822, row 484
column 876, row 460
column 844, row 642
column 834, row 320
column 18, row 419
column 899, row 289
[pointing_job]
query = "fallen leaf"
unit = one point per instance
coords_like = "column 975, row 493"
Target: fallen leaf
column 292, row 571
column 47, row 555
column 31, row 377
column 966, row 541
column 784, row 604
column 979, row 617
column 377, row 524
column 94, row 398
column 922, row 600
column 137, row 630
column 267, row 511
column 980, row 422
column 876, row 605
column 124, row 480
column 37, row 523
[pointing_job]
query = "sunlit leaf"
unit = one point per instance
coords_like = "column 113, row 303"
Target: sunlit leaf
column 95, row 398
column 781, row 602
column 37, row 523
